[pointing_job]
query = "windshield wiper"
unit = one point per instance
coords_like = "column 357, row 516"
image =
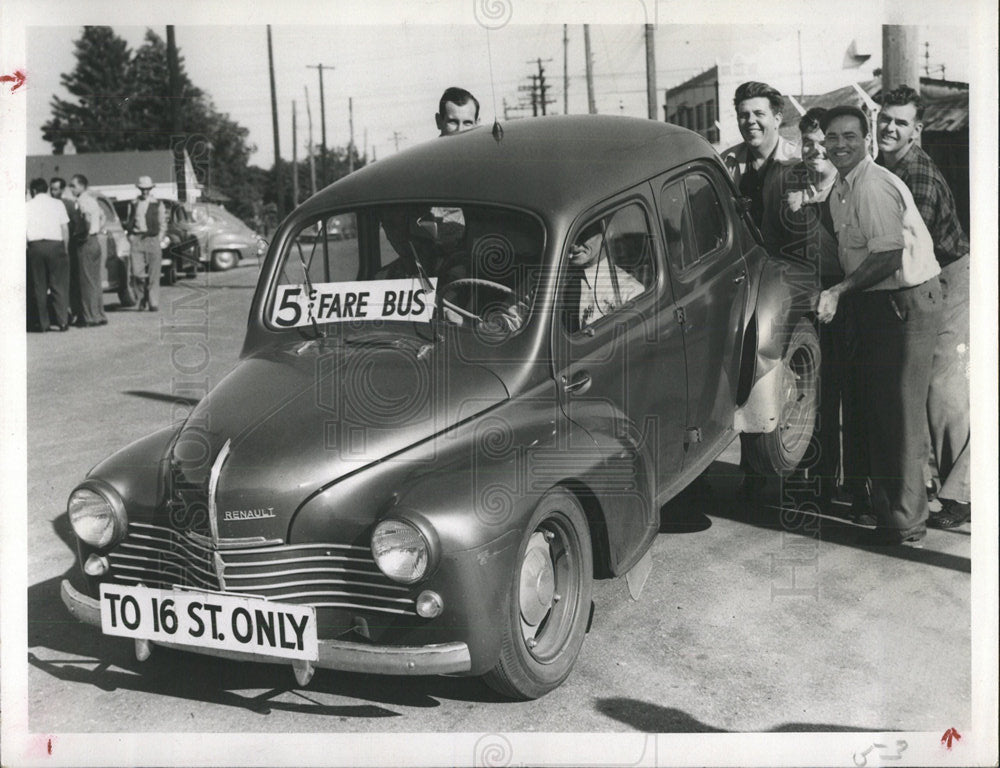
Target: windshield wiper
column 425, row 281
column 309, row 289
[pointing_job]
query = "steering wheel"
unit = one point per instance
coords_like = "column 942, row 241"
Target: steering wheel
column 470, row 281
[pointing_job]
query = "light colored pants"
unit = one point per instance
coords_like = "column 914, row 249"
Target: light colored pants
column 146, row 257
column 948, row 397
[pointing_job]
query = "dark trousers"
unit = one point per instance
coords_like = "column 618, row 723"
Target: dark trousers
column 75, row 305
column 856, row 466
column 898, row 331
column 48, row 270
column 91, row 290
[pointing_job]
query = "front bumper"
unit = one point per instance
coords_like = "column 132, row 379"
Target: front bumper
column 440, row 659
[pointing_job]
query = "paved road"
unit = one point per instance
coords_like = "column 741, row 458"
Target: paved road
column 719, row 641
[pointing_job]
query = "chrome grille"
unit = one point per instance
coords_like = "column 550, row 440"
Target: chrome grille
column 322, row 575
column 188, row 504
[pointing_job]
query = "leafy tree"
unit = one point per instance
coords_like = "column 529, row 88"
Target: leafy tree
column 99, row 120
column 123, row 103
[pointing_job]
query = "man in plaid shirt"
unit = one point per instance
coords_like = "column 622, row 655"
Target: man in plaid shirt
column 899, row 125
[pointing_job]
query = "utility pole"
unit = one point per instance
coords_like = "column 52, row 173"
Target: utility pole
column 900, row 57
column 396, row 136
column 350, row 146
column 591, row 105
column 295, row 160
column 542, row 100
column 565, row 70
column 176, row 128
column 650, row 73
column 533, row 90
column 322, row 122
column 802, row 82
column 366, row 144
column 279, row 196
column 312, row 157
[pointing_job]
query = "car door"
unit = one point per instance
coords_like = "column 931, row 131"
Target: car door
column 619, row 362
column 709, row 278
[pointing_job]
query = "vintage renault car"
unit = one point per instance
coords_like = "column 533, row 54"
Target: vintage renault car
column 441, row 431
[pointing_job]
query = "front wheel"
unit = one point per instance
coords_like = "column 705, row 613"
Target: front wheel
column 780, row 451
column 548, row 602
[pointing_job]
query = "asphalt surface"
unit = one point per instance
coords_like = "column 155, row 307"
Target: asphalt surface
column 752, row 619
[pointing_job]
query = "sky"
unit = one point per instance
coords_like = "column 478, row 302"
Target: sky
column 395, row 72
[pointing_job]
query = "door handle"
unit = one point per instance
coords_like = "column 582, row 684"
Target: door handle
column 740, row 277
column 580, row 383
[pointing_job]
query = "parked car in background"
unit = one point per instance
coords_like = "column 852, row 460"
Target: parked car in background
column 115, row 253
column 223, row 240
column 441, row 431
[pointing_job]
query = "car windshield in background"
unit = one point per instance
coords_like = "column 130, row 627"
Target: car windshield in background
column 471, row 266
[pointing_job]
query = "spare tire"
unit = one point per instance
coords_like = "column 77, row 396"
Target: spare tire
column 779, row 452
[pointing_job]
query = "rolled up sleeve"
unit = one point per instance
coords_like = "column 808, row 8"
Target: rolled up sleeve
column 880, row 215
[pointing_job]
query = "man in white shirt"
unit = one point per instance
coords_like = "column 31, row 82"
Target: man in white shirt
column 47, row 235
column 891, row 274
column 88, row 252
column 603, row 287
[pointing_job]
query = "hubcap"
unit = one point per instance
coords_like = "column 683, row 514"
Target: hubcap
column 538, row 582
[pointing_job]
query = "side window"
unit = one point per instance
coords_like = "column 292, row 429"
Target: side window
column 709, row 222
column 694, row 223
column 676, row 227
column 611, row 263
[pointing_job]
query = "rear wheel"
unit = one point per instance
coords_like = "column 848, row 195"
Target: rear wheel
column 168, row 276
column 223, row 260
column 780, row 451
column 548, row 601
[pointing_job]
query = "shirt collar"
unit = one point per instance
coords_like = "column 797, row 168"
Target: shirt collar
column 856, row 171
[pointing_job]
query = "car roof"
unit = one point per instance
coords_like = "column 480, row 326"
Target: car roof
column 547, row 164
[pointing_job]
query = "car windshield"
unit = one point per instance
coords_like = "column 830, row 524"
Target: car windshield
column 469, row 266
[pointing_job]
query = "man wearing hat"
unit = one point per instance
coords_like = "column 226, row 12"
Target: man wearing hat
column 147, row 221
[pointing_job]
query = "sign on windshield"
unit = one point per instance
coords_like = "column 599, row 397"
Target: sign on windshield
column 469, row 265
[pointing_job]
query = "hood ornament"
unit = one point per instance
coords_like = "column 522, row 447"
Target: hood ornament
column 497, row 131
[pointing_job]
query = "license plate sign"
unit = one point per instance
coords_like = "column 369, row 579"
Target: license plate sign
column 210, row 620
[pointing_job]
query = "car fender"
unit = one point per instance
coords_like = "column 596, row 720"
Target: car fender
column 784, row 294
column 228, row 241
column 138, row 472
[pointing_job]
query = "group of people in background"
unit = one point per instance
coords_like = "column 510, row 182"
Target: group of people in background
column 892, row 269
column 65, row 258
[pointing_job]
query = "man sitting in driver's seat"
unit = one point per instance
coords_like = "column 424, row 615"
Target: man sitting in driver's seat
column 603, row 286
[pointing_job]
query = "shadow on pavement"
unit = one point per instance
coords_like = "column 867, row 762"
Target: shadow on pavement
column 777, row 508
column 653, row 718
column 164, row 397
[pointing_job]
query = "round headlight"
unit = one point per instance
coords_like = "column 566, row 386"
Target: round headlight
column 400, row 551
column 94, row 519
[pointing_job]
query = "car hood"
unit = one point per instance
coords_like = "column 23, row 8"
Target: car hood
column 288, row 422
